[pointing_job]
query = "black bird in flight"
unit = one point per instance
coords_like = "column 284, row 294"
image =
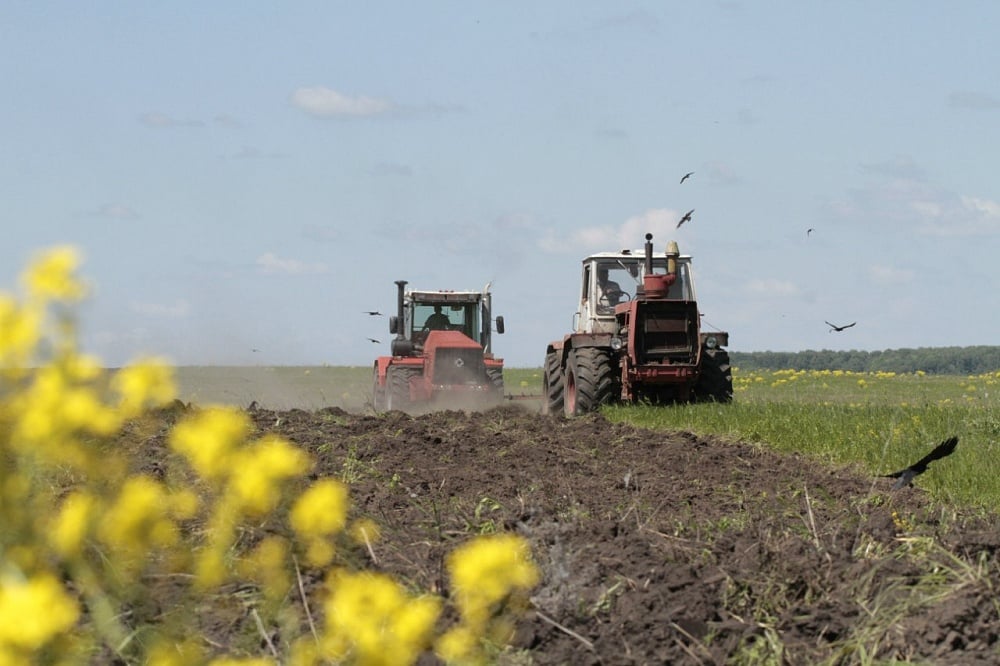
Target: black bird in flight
column 834, row 327
column 686, row 218
column 373, row 340
column 686, row 176
column 809, row 231
column 904, row 477
column 374, row 313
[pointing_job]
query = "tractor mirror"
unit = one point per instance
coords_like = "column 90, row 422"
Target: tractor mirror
column 500, row 324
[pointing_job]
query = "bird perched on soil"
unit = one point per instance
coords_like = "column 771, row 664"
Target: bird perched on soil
column 686, row 176
column 904, row 477
column 686, row 218
column 834, row 327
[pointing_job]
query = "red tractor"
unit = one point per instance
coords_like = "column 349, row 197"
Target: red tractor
column 442, row 356
column 637, row 337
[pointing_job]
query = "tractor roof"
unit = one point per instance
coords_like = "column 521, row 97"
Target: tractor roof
column 639, row 255
column 443, row 296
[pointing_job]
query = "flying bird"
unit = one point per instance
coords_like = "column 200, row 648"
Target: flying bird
column 374, row 313
column 686, row 218
column 809, row 231
column 686, row 176
column 904, row 477
column 834, row 327
column 373, row 340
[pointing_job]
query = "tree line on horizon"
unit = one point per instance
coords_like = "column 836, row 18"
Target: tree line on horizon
column 932, row 360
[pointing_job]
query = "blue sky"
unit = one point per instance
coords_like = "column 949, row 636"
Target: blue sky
column 254, row 176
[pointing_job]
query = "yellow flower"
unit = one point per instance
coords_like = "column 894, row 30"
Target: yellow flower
column 318, row 514
column 20, row 332
column 140, row 517
column 259, row 470
column 50, row 276
column 209, row 440
column 149, row 382
column 33, row 612
column 321, row 510
column 484, row 571
column 72, row 523
column 371, row 620
column 267, row 564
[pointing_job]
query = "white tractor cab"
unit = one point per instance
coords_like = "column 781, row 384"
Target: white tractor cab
column 611, row 278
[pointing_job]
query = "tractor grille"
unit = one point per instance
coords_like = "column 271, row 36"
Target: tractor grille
column 459, row 366
column 669, row 333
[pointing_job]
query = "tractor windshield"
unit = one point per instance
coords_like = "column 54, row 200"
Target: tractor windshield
column 461, row 317
column 617, row 280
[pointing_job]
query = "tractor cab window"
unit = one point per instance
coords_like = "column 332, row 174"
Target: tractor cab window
column 461, row 317
column 616, row 283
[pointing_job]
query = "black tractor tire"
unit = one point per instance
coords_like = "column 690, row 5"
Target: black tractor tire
column 398, row 388
column 378, row 393
column 552, row 384
column 589, row 381
column 495, row 375
column 715, row 383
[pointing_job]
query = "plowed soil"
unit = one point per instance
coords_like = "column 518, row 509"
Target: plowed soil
column 667, row 548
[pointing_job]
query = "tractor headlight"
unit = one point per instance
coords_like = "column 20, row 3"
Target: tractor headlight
column 617, row 343
column 711, row 342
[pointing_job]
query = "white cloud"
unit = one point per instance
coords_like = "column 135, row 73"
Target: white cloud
column 322, row 101
column 929, row 209
column 631, row 234
column 270, row 264
column 176, row 310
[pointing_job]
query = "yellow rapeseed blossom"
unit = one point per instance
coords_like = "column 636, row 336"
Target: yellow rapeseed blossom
column 267, row 565
column 20, row 332
column 51, row 275
column 210, row 438
column 72, row 523
column 317, row 515
column 146, row 383
column 372, row 620
column 258, row 472
column 484, row 571
column 140, row 518
column 34, row 611
column 321, row 510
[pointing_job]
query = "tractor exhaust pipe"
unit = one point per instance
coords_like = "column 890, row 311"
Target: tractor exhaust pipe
column 654, row 286
column 400, row 311
column 649, row 254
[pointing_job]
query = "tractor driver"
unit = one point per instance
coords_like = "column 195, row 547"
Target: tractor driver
column 609, row 291
column 438, row 321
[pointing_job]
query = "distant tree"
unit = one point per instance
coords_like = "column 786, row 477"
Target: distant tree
column 932, row 360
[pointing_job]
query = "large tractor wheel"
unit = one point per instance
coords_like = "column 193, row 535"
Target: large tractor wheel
column 715, row 383
column 378, row 392
column 589, row 381
column 495, row 375
column 552, row 384
column 398, row 388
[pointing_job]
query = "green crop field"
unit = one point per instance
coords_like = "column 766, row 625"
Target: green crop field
column 880, row 421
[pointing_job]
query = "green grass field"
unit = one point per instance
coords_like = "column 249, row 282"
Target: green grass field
column 879, row 421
